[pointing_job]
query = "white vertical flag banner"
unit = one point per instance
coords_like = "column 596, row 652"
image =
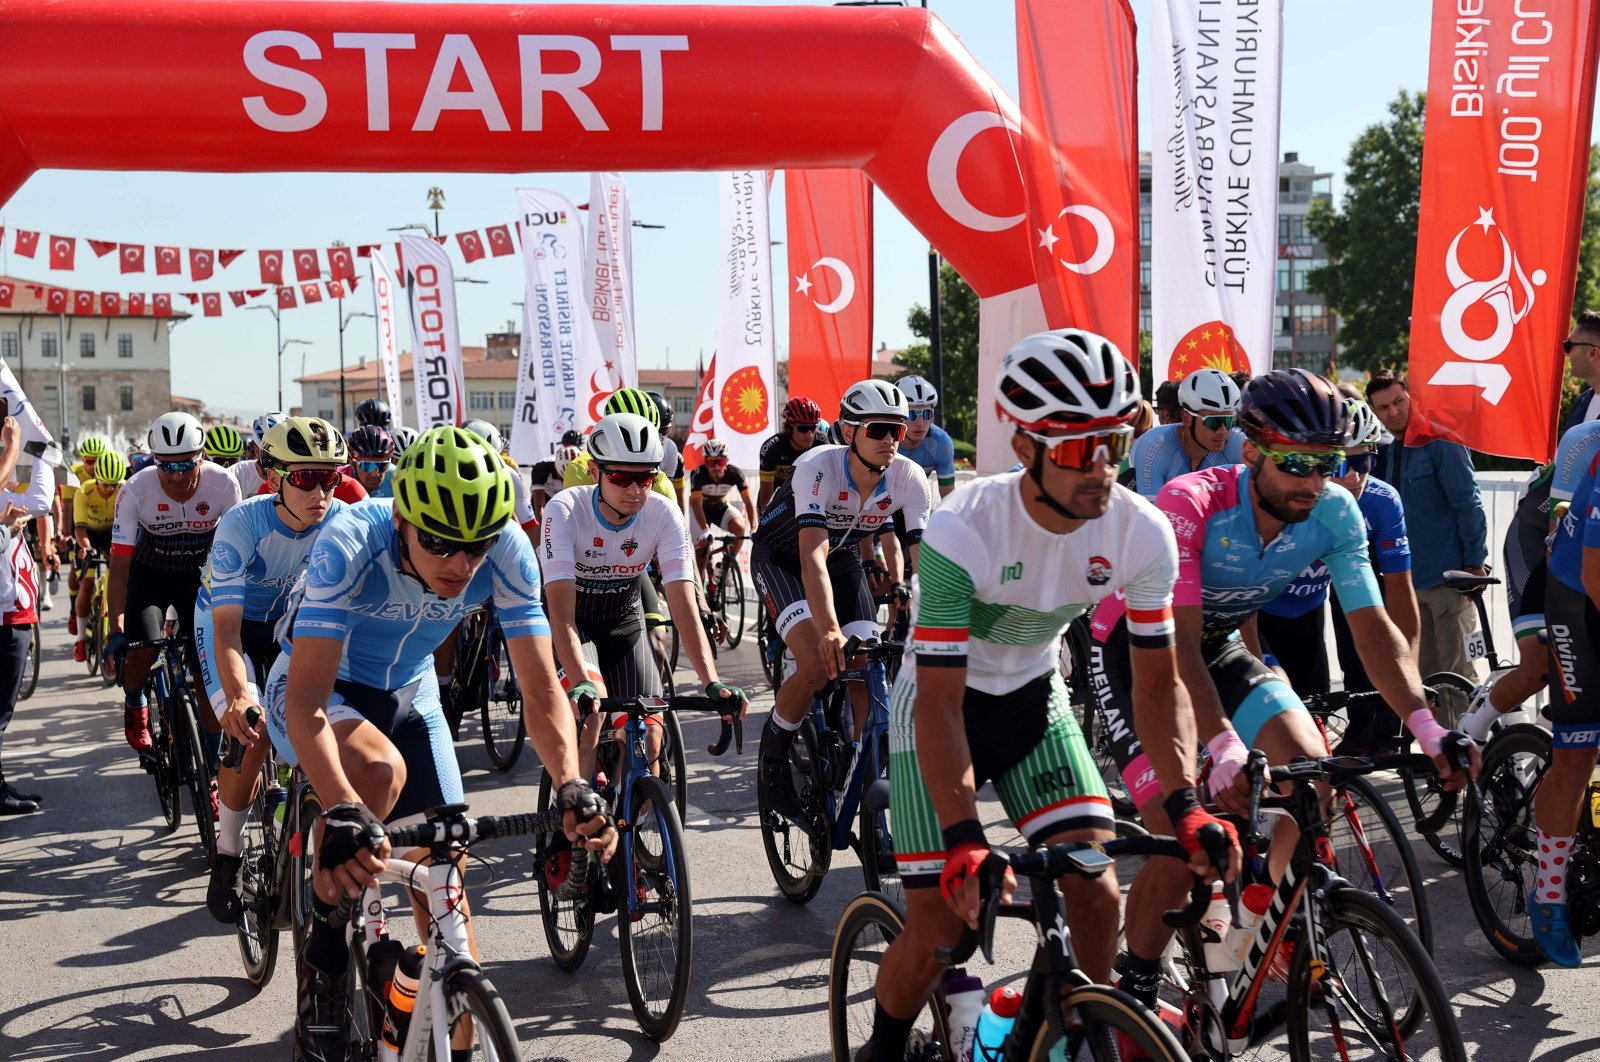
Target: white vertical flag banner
column 1214, row 194
column 436, row 371
column 388, row 338
column 563, row 372
column 745, row 371
column 36, row 438
column 610, row 276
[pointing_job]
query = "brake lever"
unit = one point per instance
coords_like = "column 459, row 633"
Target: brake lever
column 1214, row 839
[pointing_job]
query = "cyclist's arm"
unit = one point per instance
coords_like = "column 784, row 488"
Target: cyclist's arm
column 1162, row 715
column 538, row 498
column 697, row 505
column 11, row 439
column 749, row 510
column 544, row 711
column 1209, row 718
column 764, row 492
column 1400, row 601
column 945, row 467
column 942, row 752
column 312, row 669
column 893, row 560
column 232, row 672
column 561, row 600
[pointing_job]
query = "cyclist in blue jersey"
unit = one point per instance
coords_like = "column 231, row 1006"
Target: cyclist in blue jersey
column 372, row 454
column 926, row 443
column 1204, row 438
column 1244, row 532
column 258, row 553
column 353, row 696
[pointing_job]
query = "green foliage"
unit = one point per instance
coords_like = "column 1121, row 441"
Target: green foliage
column 1586, row 296
column 958, row 320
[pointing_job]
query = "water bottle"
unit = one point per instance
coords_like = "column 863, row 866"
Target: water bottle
column 1216, row 933
column 963, row 995
column 995, row 1023
column 402, row 998
column 1253, row 904
column 1594, row 796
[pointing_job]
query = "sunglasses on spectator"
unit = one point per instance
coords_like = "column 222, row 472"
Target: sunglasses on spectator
column 884, row 429
column 804, row 428
column 922, row 414
column 225, row 462
column 1214, row 423
column 373, row 466
column 620, row 478
column 1568, row 344
column 1303, row 465
column 178, row 468
column 1079, row 453
column 1363, row 463
column 445, row 548
column 313, row 478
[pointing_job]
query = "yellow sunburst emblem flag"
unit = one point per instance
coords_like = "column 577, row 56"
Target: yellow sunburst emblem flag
column 744, row 401
column 1212, row 345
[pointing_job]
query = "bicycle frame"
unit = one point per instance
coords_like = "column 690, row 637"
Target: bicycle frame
column 866, row 764
column 635, row 765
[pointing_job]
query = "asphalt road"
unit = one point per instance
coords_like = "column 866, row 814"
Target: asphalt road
column 109, row 953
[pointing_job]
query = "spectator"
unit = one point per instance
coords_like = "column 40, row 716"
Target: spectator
column 1444, row 516
column 1167, row 408
column 1583, row 354
column 1241, row 378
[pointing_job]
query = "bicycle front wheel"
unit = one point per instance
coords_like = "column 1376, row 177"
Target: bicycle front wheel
column 1350, row 1005
column 732, row 604
column 1374, row 854
column 798, row 853
column 258, row 875
column 196, row 772
column 1502, row 845
column 503, row 728
column 472, row 1002
column 672, row 766
column 1094, row 1016
column 569, row 922
column 870, row 923
column 655, row 920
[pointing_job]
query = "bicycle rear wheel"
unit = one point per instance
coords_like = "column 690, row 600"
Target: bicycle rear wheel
column 1502, row 848
column 163, row 756
column 655, row 918
column 1347, row 1009
column 503, row 728
column 798, row 853
column 469, row 999
column 258, row 876
column 1094, row 1015
column 196, row 772
column 1374, row 854
column 1452, row 694
column 30, row 668
column 867, row 927
column 568, row 923
column 731, row 592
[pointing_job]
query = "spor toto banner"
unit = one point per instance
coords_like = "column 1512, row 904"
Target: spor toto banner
column 743, row 392
column 1214, row 184
column 1505, row 163
column 610, row 276
column 388, row 351
column 435, row 336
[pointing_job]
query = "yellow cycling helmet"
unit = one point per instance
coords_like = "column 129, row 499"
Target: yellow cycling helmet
column 111, row 468
column 93, row 446
column 303, row 441
column 451, row 483
column 223, row 441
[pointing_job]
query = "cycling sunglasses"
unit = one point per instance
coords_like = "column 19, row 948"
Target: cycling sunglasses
column 446, row 548
column 884, row 429
column 1217, row 422
column 629, row 479
column 807, row 428
column 1079, row 452
column 1363, row 463
column 922, row 414
column 312, row 478
column 1568, row 344
column 178, row 468
column 716, row 462
column 372, row 466
column 1303, row 465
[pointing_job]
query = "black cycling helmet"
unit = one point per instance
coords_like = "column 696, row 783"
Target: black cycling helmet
column 1294, row 406
column 664, row 406
column 572, row 437
column 369, row 440
column 374, row 411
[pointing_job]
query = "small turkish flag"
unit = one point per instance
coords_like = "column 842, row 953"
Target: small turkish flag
column 310, row 293
column 168, row 262
column 237, row 297
column 286, row 299
column 226, row 258
column 365, row 250
column 335, row 289
column 201, row 264
column 135, row 304
column 55, row 300
column 213, row 303
column 132, row 257
column 63, row 249
column 500, row 240
column 161, row 304
column 305, row 265
column 272, row 267
column 83, row 303
column 110, row 304
column 27, row 243
column 341, row 263
column 101, row 248
column 6, row 292
column 471, row 245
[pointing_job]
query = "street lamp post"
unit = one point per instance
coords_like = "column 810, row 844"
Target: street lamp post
column 286, row 344
column 344, row 322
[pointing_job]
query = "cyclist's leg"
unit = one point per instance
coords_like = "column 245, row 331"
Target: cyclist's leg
column 783, row 592
column 735, row 524
column 629, row 670
column 857, row 616
column 143, row 617
column 1531, row 674
column 1297, row 643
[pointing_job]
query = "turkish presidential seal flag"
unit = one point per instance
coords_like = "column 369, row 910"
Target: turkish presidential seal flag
column 745, row 369
column 1505, row 164
column 830, row 282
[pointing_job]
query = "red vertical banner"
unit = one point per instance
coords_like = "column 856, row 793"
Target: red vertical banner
column 830, row 282
column 1077, row 70
column 702, row 424
column 1505, row 165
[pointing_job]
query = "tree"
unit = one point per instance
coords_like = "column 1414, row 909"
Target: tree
column 958, row 321
column 1586, row 296
column 1372, row 238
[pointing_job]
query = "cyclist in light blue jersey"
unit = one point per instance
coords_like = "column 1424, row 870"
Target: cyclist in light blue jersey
column 372, row 454
column 1204, row 438
column 258, row 553
column 354, row 698
column 926, row 443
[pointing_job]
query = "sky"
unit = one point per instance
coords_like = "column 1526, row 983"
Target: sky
column 1343, row 63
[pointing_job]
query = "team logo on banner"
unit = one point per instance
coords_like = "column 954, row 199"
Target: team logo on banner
column 744, row 401
column 1481, row 314
column 1212, row 345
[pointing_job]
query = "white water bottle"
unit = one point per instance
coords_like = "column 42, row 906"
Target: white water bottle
column 963, row 995
column 1216, row 927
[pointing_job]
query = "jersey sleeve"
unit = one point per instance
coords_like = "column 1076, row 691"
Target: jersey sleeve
column 1347, row 560
column 41, row 490
column 334, row 571
column 125, row 524
column 232, row 550
column 556, row 544
column 769, row 459
column 1186, row 512
column 1154, row 548
column 522, row 503
column 1149, row 452
column 672, row 547
column 918, row 505
column 945, row 460
column 577, row 473
column 945, row 590
column 1574, row 460
column 515, row 573
column 810, row 485
column 1389, row 537
column 698, row 479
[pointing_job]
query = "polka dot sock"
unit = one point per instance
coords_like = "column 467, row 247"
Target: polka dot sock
column 1551, row 884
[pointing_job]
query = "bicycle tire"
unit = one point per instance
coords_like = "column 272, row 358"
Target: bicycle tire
column 877, row 857
column 1423, row 794
column 869, row 923
column 1095, row 1011
column 568, row 924
column 30, row 668
column 784, row 840
column 1385, row 856
column 656, row 917
column 91, row 637
column 258, row 876
column 771, row 663
column 468, row 995
column 196, row 773
column 673, row 765
column 1348, row 908
column 163, row 761
column 1501, row 840
column 306, row 809
column 731, row 591
column 504, row 730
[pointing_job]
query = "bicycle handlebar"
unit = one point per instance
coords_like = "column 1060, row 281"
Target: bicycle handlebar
column 458, row 829
column 234, row 755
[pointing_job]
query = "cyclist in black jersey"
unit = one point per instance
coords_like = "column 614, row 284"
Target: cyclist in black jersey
column 779, row 452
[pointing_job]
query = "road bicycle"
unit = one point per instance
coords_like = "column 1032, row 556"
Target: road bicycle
column 770, row 648
column 183, row 754
column 30, row 664
column 725, row 585
column 646, row 883
column 842, row 780
column 482, row 681
column 1063, row 1014
column 98, row 622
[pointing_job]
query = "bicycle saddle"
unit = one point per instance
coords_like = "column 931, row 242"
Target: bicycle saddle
column 1467, row 583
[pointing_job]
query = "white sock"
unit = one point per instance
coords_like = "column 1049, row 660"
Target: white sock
column 230, row 830
column 83, row 635
column 445, row 681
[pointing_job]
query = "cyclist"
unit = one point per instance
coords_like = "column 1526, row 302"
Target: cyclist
column 806, row 563
column 926, row 443
column 94, row 510
column 372, row 460
column 546, row 475
column 352, row 696
column 596, row 542
column 1244, row 532
column 796, row 435
column 224, row 446
column 349, row 489
column 580, row 472
column 89, row 452
column 249, row 474
column 491, row 435
column 709, row 488
column 260, row 549
column 374, row 412
column 165, row 520
column 1204, row 436
column 672, row 459
column 139, row 459
column 1005, row 565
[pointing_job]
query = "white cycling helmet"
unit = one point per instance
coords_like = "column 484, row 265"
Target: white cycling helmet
column 266, row 422
column 714, row 448
column 874, row 400
column 403, row 438
column 626, row 439
column 918, row 392
column 1365, row 428
column 1209, row 393
column 176, row 433
column 564, row 457
column 1066, row 381
column 487, row 432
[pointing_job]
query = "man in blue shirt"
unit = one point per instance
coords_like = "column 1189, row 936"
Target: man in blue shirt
column 1444, row 513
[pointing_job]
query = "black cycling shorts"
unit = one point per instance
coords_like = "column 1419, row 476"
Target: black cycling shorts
column 1574, row 650
column 150, row 594
column 621, row 654
column 783, row 592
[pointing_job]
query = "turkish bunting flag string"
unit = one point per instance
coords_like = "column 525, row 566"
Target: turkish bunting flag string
column 83, row 303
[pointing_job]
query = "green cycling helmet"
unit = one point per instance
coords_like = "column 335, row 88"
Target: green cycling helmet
column 93, row 446
column 110, row 467
column 452, row 484
column 639, row 403
column 223, row 441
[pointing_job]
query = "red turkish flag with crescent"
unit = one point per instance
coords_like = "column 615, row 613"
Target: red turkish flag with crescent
column 6, row 294
column 305, row 264
column 131, row 257
column 471, row 245
column 83, row 303
column 212, row 301
column 286, row 300
column 55, row 300
column 703, row 425
column 110, row 304
column 169, row 262
column 226, row 258
column 272, row 267
column 63, row 249
column 27, row 243
column 500, row 240
column 1505, row 165
column 202, row 264
column 101, row 248
column 341, row 263
column 135, row 304
column 161, row 304
column 830, row 282
column 311, row 293
column 1080, row 166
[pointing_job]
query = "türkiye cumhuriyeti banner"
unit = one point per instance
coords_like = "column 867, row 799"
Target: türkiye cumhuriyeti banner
column 1505, row 164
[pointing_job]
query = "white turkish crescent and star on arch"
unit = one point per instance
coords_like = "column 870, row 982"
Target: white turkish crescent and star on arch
column 847, row 284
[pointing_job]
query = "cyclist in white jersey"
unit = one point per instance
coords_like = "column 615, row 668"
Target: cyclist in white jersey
column 260, row 549
column 353, row 696
column 250, row 474
column 165, row 518
column 1006, row 563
